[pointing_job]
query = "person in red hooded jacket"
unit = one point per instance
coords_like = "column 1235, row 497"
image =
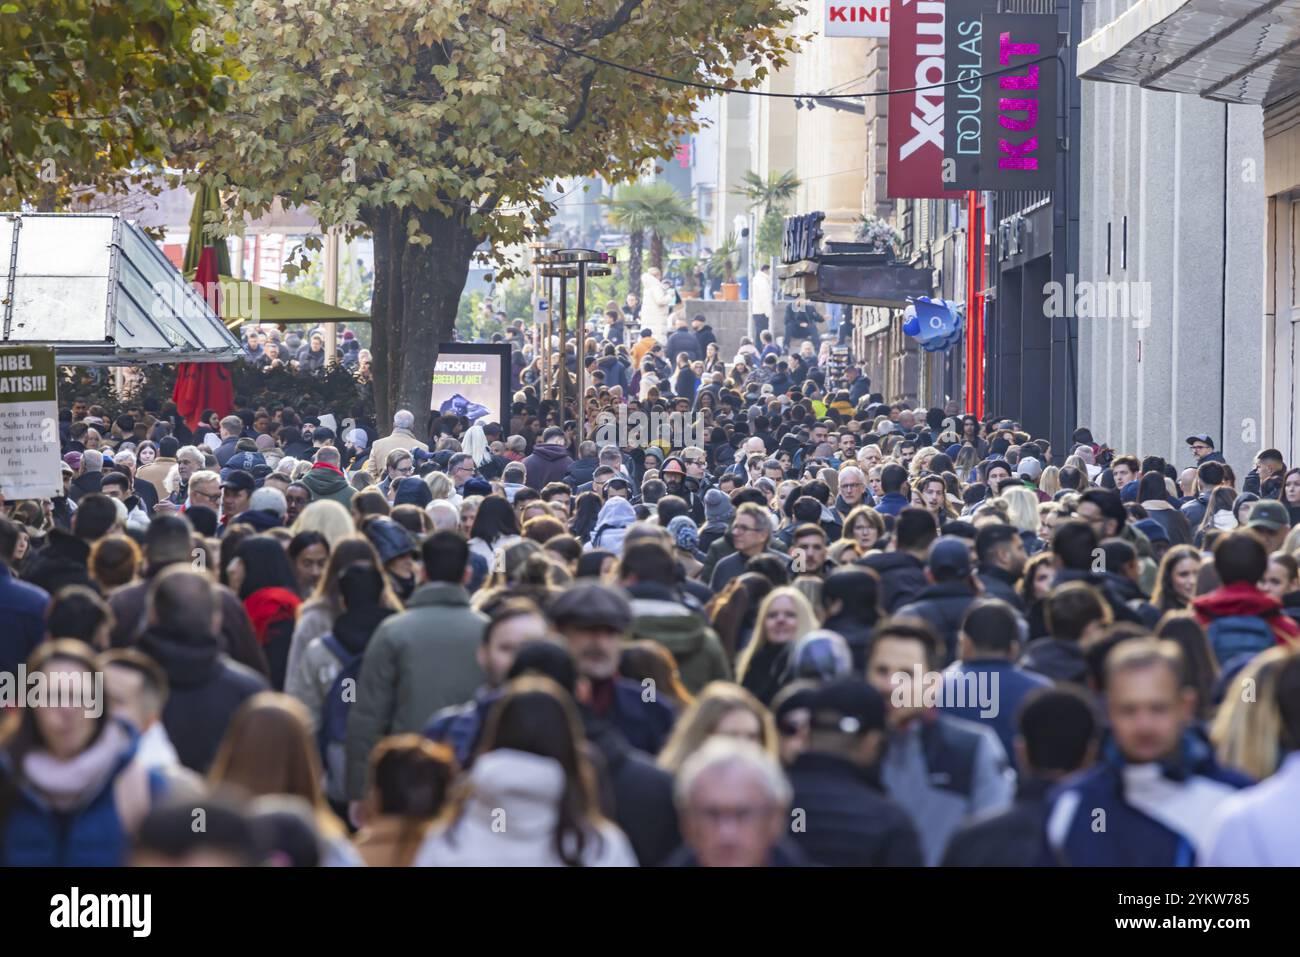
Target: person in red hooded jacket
column 1229, row 613
column 263, row 577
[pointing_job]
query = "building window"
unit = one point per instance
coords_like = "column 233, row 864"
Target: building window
column 1108, row 249
column 1123, row 247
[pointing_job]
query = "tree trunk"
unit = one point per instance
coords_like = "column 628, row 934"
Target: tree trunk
column 656, row 251
column 416, row 295
column 636, row 249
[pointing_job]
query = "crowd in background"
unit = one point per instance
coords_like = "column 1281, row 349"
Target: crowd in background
column 790, row 623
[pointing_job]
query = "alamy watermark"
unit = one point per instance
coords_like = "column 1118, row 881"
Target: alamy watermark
column 937, row 689
column 83, row 690
column 640, row 429
column 1084, row 299
column 236, row 299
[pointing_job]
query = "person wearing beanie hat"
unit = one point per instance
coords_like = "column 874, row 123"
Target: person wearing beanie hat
column 686, row 539
column 718, row 513
column 412, row 491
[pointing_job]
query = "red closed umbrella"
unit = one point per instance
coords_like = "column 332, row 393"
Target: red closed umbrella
column 204, row 385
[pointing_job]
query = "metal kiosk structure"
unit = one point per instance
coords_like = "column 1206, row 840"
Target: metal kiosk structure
column 566, row 264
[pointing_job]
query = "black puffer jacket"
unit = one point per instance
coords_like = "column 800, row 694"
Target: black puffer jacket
column 902, row 577
column 849, row 822
column 63, row 561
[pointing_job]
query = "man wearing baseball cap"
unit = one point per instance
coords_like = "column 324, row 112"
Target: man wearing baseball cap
column 593, row 619
column 952, row 590
column 1271, row 521
column 237, row 488
column 848, row 821
column 1203, row 449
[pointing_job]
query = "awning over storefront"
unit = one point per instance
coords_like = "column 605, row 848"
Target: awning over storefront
column 98, row 291
column 856, row 283
column 1236, row 51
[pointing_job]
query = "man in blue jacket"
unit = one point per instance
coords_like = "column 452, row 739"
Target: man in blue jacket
column 22, row 605
column 1151, row 800
column 892, row 480
column 987, row 647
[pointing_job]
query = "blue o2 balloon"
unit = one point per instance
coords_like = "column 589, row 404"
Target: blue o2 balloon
column 936, row 324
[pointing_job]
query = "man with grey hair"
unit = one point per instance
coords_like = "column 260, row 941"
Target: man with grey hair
column 733, row 804
column 516, row 449
column 444, row 515
column 205, row 490
column 266, row 509
column 90, row 477
column 852, row 490
column 402, row 437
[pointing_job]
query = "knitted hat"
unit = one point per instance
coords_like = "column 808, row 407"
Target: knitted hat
column 717, row 506
column 685, row 535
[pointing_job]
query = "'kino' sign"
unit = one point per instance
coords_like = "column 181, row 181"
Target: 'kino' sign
column 1018, row 108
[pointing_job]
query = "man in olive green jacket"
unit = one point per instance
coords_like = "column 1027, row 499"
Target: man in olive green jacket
column 419, row 661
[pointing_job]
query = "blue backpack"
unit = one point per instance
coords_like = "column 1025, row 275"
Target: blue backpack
column 333, row 731
column 1234, row 635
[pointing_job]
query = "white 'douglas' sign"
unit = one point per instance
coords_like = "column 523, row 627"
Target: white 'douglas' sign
column 857, row 19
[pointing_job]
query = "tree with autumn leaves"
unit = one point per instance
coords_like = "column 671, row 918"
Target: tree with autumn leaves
column 91, row 92
column 436, row 126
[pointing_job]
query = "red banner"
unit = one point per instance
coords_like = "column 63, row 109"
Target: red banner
column 916, row 59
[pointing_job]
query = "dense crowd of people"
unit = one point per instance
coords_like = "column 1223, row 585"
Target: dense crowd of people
column 785, row 623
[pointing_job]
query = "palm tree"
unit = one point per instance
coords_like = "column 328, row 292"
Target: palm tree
column 627, row 212
column 654, row 209
column 775, row 192
column 769, row 197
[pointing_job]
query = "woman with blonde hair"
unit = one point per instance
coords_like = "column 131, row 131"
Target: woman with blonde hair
column 269, row 749
column 1022, row 510
column 783, row 618
column 329, row 518
column 441, row 487
column 1049, row 483
column 1247, row 729
column 721, row 708
column 921, row 461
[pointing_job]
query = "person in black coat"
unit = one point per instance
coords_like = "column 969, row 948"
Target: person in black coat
column 1000, row 551
column 852, row 596
column 1154, row 497
column 902, row 571
column 206, row 687
column 1057, row 737
column 65, row 559
column 641, row 791
column 682, row 340
column 847, row 819
column 952, row 591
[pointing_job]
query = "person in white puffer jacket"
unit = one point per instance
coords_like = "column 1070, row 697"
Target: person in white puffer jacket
column 513, row 804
